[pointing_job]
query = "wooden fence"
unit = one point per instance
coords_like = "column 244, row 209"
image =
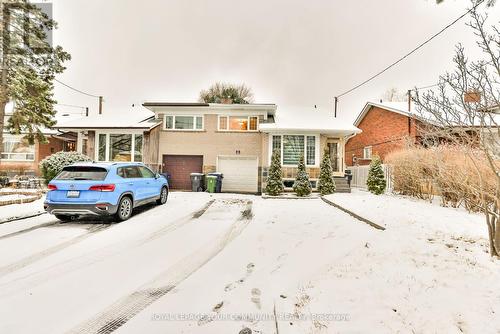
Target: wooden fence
column 360, row 175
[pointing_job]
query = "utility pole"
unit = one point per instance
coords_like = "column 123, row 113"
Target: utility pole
column 409, row 111
column 100, row 105
column 336, row 102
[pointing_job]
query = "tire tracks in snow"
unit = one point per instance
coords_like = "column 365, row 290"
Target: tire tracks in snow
column 124, row 309
column 49, row 251
column 29, row 229
column 95, row 256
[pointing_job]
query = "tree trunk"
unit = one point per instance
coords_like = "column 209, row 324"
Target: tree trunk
column 493, row 234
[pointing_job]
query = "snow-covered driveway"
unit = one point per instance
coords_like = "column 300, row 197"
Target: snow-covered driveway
column 201, row 262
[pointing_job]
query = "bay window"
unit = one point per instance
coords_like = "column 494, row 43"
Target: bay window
column 119, row 147
column 178, row 122
column 18, row 149
column 238, row 123
column 293, row 147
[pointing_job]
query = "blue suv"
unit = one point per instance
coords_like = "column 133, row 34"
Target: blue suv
column 104, row 189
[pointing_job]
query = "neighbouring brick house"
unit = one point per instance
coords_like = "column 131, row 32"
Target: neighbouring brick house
column 385, row 126
column 234, row 139
column 18, row 157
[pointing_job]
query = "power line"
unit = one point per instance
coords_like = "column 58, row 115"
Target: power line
column 76, row 90
column 70, row 105
column 412, row 51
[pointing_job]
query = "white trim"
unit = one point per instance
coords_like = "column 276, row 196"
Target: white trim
column 194, row 129
column 241, row 116
column 317, row 144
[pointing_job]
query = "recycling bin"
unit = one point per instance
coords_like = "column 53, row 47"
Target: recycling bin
column 220, row 176
column 211, row 183
column 197, row 182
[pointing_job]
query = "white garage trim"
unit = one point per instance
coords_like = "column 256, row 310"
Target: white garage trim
column 241, row 173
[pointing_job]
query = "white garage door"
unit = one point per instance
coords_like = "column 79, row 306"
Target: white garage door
column 240, row 173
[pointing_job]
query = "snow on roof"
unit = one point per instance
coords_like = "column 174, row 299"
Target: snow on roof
column 458, row 119
column 135, row 119
column 309, row 119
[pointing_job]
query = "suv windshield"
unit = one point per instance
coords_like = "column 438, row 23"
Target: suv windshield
column 83, row 173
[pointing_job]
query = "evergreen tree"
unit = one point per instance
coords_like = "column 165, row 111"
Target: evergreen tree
column 376, row 181
column 29, row 65
column 326, row 184
column 302, row 186
column 274, row 185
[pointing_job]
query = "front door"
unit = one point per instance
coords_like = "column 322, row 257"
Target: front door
column 333, row 150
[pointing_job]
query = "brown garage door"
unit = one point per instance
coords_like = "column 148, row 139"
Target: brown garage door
column 180, row 167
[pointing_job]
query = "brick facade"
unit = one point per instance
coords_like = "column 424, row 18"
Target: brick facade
column 383, row 130
column 31, row 167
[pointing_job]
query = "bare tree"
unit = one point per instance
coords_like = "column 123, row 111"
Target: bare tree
column 227, row 94
column 464, row 111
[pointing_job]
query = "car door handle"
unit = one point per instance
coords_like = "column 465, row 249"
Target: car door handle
column 131, row 183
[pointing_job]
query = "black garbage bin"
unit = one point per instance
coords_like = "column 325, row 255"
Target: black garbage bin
column 197, row 182
column 220, row 176
column 348, row 175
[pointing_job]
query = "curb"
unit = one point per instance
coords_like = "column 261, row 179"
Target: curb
column 289, row 197
column 11, row 219
column 364, row 220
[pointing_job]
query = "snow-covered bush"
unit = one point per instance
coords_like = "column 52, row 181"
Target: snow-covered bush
column 274, row 185
column 53, row 164
column 376, row 181
column 326, row 184
column 302, row 186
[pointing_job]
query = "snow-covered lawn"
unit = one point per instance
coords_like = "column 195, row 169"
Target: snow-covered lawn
column 13, row 211
column 198, row 262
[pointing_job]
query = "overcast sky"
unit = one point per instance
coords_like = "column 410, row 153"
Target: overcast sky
column 294, row 53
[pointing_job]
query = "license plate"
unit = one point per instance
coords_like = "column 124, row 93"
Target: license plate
column 73, row 194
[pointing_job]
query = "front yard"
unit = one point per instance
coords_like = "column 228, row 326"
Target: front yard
column 229, row 263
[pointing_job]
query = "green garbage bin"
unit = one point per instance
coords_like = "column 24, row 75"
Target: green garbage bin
column 211, row 183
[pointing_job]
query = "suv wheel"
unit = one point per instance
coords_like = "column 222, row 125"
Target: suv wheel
column 124, row 209
column 163, row 196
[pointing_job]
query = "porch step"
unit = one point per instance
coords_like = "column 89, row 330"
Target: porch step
column 341, row 185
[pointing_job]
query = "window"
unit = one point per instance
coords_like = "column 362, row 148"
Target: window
column 177, row 122
column 223, row 123
column 82, row 173
column 238, row 123
column 138, row 148
column 102, row 147
column 146, row 172
column 277, row 144
column 293, row 147
column 311, row 150
column 129, row 172
column 367, row 152
column 253, row 123
column 17, row 149
column 169, row 122
column 119, row 147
